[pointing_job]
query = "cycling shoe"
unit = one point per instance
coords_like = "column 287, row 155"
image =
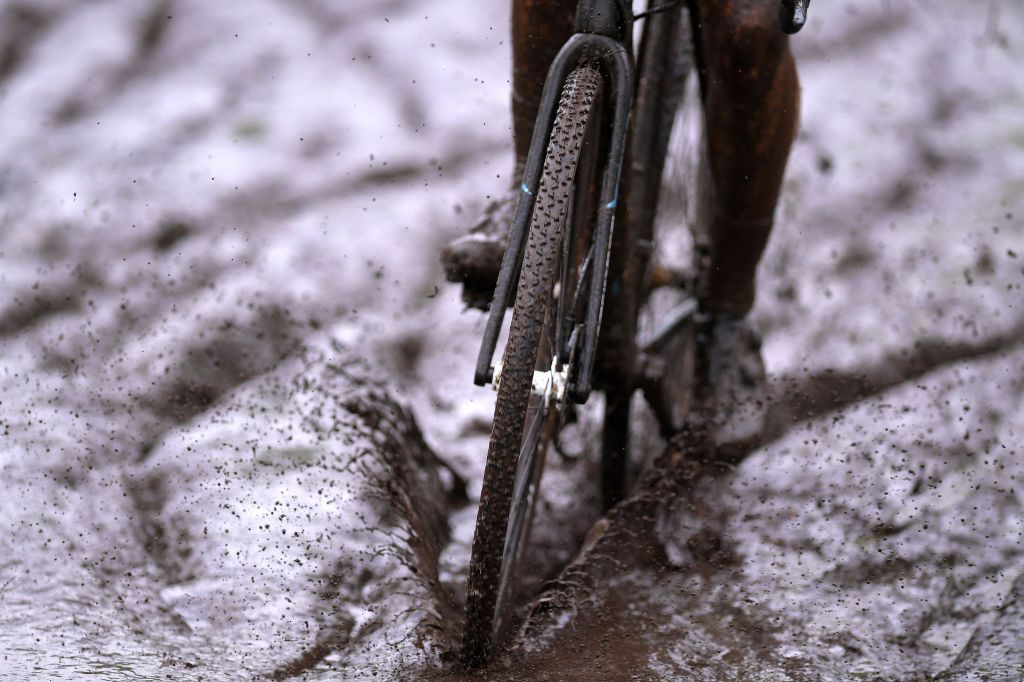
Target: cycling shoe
column 736, row 404
column 474, row 259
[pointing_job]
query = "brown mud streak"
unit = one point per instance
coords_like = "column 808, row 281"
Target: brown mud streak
column 796, row 398
column 625, row 538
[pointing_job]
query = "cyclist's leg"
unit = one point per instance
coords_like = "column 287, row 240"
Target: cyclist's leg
column 751, row 100
column 751, row 106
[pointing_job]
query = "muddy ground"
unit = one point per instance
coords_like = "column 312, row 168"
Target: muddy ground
column 240, row 434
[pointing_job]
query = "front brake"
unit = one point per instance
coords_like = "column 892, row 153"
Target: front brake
column 793, row 15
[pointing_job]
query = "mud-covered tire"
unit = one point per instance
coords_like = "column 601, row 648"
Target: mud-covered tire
column 534, row 293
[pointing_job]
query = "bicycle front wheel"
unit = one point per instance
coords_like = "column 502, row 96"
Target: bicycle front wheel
column 526, row 415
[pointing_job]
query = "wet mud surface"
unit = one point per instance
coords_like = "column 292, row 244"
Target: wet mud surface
column 240, row 436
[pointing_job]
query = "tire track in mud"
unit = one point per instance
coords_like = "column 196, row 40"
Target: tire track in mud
column 192, row 388
column 688, row 476
column 409, row 485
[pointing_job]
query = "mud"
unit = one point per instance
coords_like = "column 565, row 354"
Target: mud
column 240, row 434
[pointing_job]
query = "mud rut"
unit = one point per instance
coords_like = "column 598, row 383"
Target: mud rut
column 626, row 540
column 144, row 302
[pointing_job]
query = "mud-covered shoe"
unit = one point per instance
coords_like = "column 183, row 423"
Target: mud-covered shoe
column 475, row 258
column 737, row 401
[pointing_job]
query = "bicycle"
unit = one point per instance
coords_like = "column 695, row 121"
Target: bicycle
column 599, row 113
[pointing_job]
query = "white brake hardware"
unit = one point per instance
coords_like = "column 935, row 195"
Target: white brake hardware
column 548, row 385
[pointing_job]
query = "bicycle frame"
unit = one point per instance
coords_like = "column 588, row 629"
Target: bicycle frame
column 604, row 30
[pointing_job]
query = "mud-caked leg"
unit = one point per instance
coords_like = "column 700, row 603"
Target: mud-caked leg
column 751, row 100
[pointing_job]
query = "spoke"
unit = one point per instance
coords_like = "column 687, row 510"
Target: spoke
column 549, row 334
column 559, row 321
column 522, row 493
column 533, row 432
column 581, row 283
column 568, row 253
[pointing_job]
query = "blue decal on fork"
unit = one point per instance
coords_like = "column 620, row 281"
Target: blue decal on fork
column 618, row 182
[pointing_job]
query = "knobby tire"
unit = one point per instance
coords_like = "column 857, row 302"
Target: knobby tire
column 533, row 296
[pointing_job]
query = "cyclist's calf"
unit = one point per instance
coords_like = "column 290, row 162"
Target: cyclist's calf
column 743, row 47
column 752, row 102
